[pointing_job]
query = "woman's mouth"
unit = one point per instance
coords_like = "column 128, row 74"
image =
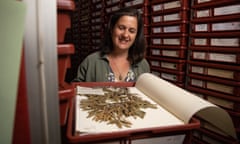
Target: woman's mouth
column 123, row 40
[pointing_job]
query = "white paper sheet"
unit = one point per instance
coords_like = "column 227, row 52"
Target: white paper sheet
column 153, row 118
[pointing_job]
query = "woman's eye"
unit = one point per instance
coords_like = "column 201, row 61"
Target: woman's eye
column 121, row 27
column 132, row 31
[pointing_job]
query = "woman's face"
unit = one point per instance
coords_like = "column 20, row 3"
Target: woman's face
column 124, row 32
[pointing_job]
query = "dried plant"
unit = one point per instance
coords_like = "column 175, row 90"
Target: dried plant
column 115, row 106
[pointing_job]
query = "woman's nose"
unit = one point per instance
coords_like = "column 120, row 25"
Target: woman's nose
column 125, row 33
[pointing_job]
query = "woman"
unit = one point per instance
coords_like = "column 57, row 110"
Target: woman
column 122, row 52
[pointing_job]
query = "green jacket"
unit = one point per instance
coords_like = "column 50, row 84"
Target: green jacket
column 95, row 68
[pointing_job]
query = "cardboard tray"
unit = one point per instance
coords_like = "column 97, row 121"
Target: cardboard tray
column 164, row 51
column 64, row 60
column 167, row 63
column 224, row 71
column 215, row 84
column 124, row 136
column 210, row 54
column 169, row 75
column 64, row 13
column 165, row 6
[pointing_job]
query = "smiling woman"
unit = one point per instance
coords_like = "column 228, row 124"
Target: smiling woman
column 124, row 33
column 121, row 57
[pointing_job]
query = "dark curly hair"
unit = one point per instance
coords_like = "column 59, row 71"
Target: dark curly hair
column 137, row 51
